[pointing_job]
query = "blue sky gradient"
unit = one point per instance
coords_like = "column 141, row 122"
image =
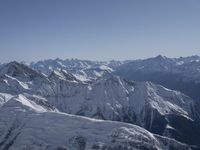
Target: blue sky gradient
column 32, row 30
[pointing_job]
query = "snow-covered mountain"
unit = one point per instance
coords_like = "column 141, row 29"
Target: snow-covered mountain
column 143, row 103
column 110, row 97
column 18, row 78
column 182, row 74
column 188, row 67
column 25, row 125
column 84, row 70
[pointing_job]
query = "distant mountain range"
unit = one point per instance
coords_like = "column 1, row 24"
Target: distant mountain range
column 87, row 105
column 182, row 74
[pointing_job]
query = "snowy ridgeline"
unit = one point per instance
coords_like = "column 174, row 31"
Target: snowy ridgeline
column 86, row 70
column 33, row 107
column 182, row 74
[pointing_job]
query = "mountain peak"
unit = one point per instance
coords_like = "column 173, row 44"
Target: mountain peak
column 14, row 63
column 17, row 69
column 63, row 75
column 160, row 57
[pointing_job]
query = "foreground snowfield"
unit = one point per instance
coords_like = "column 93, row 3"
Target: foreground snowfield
column 24, row 125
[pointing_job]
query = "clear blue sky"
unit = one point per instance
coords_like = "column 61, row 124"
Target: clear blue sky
column 98, row 29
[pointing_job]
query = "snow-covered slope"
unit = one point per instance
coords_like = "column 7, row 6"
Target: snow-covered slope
column 187, row 66
column 27, row 127
column 110, row 97
column 4, row 97
column 34, row 102
column 18, row 78
column 182, row 74
column 83, row 69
